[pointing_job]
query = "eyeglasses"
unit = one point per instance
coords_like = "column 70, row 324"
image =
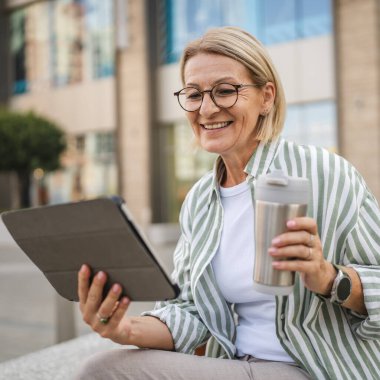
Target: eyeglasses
column 224, row 95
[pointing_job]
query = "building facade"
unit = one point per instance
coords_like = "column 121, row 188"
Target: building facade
column 106, row 70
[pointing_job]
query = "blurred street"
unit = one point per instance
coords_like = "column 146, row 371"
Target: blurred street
column 28, row 303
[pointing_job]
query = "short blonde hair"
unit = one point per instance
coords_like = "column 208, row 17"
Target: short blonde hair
column 238, row 44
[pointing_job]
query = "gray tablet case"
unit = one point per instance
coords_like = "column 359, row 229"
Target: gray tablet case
column 100, row 233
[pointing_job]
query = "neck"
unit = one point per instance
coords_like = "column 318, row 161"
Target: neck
column 234, row 168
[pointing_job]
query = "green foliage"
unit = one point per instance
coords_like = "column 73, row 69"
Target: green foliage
column 28, row 142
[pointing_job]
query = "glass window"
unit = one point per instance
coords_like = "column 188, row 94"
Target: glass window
column 104, row 145
column 189, row 19
column 278, row 21
column 315, row 17
column 80, row 143
column 30, row 47
column 272, row 21
column 312, row 123
column 18, row 51
column 183, row 164
column 68, row 41
column 99, row 22
column 61, row 42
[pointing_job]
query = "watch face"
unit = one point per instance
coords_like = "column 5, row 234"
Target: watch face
column 344, row 289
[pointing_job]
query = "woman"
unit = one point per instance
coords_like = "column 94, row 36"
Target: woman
column 235, row 104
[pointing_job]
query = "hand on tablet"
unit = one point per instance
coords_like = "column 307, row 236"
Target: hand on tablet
column 105, row 316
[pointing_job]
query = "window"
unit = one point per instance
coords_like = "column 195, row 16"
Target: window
column 188, row 19
column 315, row 17
column 271, row 21
column 312, row 123
column 104, row 146
column 278, row 21
column 61, row 42
column 183, row 164
column 68, row 41
column 99, row 23
column 83, row 39
column 18, row 51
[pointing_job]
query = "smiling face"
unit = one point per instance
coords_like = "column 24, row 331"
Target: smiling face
column 229, row 132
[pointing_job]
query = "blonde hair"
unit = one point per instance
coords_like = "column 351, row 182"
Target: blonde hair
column 241, row 46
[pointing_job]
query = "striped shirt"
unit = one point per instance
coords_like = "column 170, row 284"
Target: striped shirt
column 327, row 340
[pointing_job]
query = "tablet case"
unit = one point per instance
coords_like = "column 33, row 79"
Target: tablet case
column 100, row 233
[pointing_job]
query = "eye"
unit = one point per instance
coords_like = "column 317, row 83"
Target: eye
column 224, row 90
column 192, row 94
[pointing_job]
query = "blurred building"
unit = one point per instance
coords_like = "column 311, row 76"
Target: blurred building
column 106, row 70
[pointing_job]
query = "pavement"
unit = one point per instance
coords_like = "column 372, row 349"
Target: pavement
column 31, row 313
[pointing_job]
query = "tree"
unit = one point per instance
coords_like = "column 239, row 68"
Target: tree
column 28, row 142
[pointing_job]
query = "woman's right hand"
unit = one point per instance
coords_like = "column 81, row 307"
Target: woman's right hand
column 106, row 317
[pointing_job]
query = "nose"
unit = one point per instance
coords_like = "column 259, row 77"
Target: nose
column 208, row 107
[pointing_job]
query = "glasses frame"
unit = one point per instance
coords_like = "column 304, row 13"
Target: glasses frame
column 210, row 91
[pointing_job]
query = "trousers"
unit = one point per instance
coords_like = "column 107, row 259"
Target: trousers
column 148, row 364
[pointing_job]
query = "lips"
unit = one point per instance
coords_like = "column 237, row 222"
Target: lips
column 219, row 125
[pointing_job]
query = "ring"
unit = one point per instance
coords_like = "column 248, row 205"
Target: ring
column 103, row 320
column 311, row 240
column 309, row 255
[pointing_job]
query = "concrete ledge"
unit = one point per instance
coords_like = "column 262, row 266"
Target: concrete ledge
column 59, row 362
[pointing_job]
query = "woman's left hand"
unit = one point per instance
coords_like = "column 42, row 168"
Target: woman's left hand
column 300, row 250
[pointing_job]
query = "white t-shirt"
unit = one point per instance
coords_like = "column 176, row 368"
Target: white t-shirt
column 233, row 268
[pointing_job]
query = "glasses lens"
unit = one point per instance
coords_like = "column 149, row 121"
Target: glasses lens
column 225, row 95
column 190, row 99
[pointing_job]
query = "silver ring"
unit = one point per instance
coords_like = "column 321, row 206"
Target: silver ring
column 309, row 255
column 103, row 320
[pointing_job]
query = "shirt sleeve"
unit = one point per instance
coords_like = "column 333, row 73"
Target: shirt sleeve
column 180, row 314
column 363, row 253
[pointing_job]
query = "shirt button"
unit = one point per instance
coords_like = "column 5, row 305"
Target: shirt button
column 282, row 316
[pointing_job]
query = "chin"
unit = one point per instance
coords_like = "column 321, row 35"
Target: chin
column 210, row 148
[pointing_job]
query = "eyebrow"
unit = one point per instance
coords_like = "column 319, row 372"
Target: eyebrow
column 220, row 80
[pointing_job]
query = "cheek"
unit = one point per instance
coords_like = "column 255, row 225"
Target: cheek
column 191, row 118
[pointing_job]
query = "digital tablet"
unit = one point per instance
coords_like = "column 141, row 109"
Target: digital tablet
column 100, row 233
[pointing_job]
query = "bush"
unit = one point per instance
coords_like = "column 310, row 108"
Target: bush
column 28, row 142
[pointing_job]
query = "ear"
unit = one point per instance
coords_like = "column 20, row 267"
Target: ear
column 268, row 94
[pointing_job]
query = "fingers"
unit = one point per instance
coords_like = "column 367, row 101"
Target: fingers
column 302, row 266
column 119, row 313
column 303, row 223
column 83, row 283
column 300, row 231
column 291, row 252
column 292, row 238
column 110, row 304
column 111, row 328
column 301, row 242
column 94, row 297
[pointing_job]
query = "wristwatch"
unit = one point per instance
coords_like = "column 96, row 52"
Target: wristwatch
column 341, row 288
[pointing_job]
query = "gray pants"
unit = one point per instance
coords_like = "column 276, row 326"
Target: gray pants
column 126, row 364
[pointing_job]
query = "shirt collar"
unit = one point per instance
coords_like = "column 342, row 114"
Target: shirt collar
column 258, row 164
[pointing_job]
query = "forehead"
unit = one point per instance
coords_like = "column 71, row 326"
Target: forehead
column 210, row 68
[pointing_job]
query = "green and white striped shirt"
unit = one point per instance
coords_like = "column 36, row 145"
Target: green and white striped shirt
column 328, row 341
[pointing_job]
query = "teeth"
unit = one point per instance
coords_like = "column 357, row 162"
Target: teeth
column 216, row 125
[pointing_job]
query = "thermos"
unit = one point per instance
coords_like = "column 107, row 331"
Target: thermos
column 278, row 198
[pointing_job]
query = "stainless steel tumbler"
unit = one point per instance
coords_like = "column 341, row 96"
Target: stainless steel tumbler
column 278, row 198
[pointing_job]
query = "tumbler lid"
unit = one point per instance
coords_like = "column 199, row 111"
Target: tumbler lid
column 279, row 188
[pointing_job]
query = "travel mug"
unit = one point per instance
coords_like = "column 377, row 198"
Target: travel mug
column 278, row 198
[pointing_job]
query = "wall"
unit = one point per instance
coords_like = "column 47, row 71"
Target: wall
column 358, row 83
column 78, row 108
column 134, row 115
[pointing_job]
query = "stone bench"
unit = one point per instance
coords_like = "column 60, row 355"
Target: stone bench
column 58, row 362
